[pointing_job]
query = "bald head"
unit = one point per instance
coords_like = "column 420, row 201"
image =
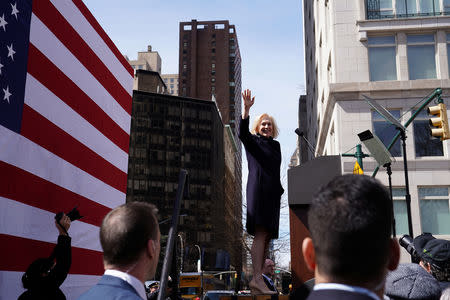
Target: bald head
column 269, row 267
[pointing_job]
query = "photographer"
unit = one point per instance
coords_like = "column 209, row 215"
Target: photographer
column 44, row 276
column 431, row 254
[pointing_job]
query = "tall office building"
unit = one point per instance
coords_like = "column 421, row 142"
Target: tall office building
column 210, row 69
column 210, row 65
column 169, row 133
column 396, row 52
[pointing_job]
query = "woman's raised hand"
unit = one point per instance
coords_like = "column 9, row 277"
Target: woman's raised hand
column 248, row 100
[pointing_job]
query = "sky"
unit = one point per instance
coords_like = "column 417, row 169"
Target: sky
column 270, row 40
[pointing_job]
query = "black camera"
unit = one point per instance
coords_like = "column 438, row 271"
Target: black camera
column 407, row 242
column 73, row 215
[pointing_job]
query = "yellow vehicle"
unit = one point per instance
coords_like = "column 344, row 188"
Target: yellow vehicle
column 193, row 285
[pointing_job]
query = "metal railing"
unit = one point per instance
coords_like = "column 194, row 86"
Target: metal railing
column 374, row 11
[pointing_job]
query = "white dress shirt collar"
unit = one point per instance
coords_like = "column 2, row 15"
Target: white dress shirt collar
column 133, row 281
column 344, row 287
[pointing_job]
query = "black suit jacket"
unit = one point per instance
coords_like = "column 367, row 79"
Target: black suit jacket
column 337, row 295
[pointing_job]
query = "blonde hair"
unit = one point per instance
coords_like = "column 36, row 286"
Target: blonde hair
column 258, row 120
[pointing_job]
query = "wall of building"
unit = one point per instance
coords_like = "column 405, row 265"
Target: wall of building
column 171, row 81
column 149, row 81
column 339, row 38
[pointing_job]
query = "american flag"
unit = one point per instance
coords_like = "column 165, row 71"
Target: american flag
column 65, row 106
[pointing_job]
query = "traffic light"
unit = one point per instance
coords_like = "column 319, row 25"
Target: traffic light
column 440, row 121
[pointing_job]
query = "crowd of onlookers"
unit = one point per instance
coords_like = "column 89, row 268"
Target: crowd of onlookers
column 351, row 251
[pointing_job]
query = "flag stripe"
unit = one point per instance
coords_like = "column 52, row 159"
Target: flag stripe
column 40, row 99
column 84, row 261
column 96, row 26
column 56, row 23
column 72, row 287
column 24, row 154
column 44, row 133
column 44, row 40
column 113, row 60
column 38, row 224
column 59, row 84
column 29, row 189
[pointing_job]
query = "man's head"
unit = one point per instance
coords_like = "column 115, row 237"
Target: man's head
column 434, row 255
column 350, row 221
column 130, row 237
column 268, row 267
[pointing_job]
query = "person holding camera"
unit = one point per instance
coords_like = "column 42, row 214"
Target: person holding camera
column 434, row 257
column 45, row 275
column 411, row 281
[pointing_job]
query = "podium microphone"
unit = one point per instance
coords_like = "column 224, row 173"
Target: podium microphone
column 302, row 135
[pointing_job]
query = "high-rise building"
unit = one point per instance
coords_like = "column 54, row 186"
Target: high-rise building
column 169, row 133
column 396, row 52
column 210, row 64
column 210, row 69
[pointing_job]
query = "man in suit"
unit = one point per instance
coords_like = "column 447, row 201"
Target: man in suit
column 350, row 249
column 130, row 238
column 267, row 274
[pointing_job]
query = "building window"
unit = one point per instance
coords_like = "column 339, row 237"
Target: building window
column 378, row 9
column 417, row 7
column 385, row 131
column 213, row 79
column 400, row 212
column 421, row 53
column 184, row 66
column 382, row 62
column 386, row 8
column 213, row 50
column 434, row 210
column 446, row 7
column 171, row 80
column 424, row 143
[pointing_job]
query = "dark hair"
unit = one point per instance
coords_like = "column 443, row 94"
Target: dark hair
column 125, row 231
column 34, row 274
column 350, row 221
